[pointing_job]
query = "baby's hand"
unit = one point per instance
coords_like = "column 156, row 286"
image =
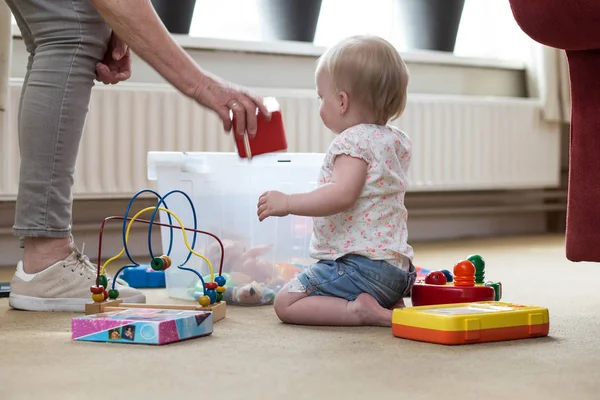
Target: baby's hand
column 272, row 204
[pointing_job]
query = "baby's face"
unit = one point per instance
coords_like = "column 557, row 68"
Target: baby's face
column 330, row 106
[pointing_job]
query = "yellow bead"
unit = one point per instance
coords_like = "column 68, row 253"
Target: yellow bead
column 204, row 301
column 220, row 289
column 98, row 297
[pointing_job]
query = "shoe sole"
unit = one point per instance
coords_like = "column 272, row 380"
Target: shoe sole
column 27, row 303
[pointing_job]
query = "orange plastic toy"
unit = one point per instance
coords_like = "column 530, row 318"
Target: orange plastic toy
column 464, row 273
column 270, row 135
column 466, row 323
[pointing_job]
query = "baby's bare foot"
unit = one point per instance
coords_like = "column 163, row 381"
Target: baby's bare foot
column 370, row 312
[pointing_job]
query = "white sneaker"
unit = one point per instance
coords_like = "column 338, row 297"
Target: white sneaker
column 64, row 286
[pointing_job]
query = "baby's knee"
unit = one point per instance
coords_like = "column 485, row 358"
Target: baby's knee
column 281, row 305
column 283, row 302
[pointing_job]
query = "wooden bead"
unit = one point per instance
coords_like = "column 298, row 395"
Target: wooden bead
column 219, row 297
column 98, row 297
column 113, row 294
column 167, row 260
column 220, row 289
column 103, row 281
column 97, row 289
column 211, row 285
column 204, row 301
column 220, row 280
column 157, row 264
column 212, row 295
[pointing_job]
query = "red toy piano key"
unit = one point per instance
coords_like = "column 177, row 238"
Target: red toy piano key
column 270, row 135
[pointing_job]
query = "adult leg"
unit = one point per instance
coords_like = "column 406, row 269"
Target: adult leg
column 41, row 252
column 65, row 41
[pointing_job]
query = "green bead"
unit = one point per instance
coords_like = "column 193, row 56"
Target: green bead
column 479, row 277
column 497, row 289
column 477, row 261
column 479, row 264
column 113, row 294
column 219, row 297
column 157, row 263
column 103, row 281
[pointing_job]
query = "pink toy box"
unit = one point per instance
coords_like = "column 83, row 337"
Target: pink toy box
column 142, row 326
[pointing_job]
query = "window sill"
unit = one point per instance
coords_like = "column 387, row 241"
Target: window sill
column 291, row 66
column 310, row 50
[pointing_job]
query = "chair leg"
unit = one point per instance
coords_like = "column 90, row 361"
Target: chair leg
column 583, row 207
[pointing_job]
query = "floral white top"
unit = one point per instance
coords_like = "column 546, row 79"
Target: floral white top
column 375, row 226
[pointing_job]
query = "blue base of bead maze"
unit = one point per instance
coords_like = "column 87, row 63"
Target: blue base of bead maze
column 144, row 277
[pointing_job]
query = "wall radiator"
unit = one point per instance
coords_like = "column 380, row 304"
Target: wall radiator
column 460, row 143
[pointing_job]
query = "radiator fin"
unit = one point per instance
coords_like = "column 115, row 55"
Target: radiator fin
column 459, row 142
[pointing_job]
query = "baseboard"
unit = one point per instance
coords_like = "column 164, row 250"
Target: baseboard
column 432, row 216
column 426, row 229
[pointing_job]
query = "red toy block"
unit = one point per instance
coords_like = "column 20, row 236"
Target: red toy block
column 270, row 134
column 428, row 295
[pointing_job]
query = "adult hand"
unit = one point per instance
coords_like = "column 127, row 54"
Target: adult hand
column 116, row 66
column 138, row 24
column 272, row 204
column 221, row 97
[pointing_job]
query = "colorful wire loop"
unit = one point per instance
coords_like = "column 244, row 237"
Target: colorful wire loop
column 163, row 262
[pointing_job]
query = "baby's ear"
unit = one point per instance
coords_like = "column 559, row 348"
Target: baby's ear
column 343, row 102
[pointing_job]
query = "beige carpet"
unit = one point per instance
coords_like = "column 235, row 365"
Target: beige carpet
column 252, row 356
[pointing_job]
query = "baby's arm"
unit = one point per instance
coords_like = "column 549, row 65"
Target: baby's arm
column 349, row 176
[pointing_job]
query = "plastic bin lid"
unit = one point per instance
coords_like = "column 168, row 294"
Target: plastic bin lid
column 200, row 162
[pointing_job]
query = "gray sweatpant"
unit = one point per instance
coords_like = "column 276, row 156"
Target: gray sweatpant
column 65, row 40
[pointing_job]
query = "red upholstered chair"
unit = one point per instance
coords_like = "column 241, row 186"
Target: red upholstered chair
column 574, row 26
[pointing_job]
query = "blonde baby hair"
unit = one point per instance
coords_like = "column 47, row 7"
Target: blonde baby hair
column 371, row 71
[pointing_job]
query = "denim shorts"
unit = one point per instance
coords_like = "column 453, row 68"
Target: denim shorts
column 351, row 275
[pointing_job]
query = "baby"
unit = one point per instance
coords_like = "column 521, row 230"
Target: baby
column 359, row 217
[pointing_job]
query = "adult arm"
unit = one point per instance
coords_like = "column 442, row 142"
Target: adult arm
column 138, row 25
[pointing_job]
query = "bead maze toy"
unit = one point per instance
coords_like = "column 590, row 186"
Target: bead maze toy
column 270, row 134
column 466, row 323
column 144, row 277
column 466, row 285
column 210, row 297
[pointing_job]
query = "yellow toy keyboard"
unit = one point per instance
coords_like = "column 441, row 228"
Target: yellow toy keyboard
column 465, row 323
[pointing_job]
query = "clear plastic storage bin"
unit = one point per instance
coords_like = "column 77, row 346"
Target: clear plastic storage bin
column 260, row 257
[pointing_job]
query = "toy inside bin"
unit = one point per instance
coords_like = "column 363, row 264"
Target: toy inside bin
column 260, row 257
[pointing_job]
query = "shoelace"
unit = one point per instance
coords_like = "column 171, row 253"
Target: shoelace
column 86, row 264
column 83, row 269
column 83, row 259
